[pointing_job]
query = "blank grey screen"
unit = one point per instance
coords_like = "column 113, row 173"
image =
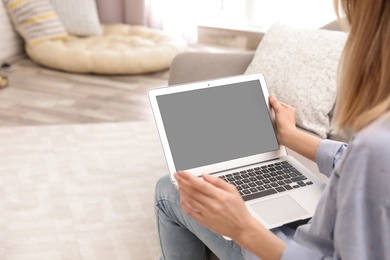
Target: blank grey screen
column 217, row 124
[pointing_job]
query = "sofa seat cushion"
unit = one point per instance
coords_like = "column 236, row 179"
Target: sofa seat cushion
column 120, row 49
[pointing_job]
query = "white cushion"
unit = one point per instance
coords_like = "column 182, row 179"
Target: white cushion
column 121, row 49
column 80, row 17
column 300, row 68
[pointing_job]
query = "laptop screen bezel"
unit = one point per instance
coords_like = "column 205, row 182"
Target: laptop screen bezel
column 217, row 167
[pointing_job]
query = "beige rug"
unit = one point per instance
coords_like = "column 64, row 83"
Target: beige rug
column 79, row 191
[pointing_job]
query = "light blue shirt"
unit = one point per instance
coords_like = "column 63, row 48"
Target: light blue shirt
column 352, row 220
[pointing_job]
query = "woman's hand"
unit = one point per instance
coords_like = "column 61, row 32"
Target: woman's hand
column 218, row 206
column 287, row 132
column 284, row 119
column 214, row 203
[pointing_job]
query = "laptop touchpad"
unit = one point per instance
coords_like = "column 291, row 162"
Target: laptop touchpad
column 278, row 210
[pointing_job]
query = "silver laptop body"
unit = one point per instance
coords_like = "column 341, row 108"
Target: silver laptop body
column 225, row 127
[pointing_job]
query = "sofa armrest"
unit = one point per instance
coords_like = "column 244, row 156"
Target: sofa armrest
column 196, row 66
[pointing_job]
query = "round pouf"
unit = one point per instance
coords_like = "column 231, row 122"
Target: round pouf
column 120, row 49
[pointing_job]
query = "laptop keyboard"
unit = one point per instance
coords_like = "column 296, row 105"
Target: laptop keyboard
column 266, row 180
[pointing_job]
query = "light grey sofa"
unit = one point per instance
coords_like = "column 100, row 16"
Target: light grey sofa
column 196, row 66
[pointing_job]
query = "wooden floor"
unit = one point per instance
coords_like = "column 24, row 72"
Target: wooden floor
column 41, row 96
column 37, row 96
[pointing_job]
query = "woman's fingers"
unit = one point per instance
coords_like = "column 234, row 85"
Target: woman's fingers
column 276, row 104
column 195, row 190
column 194, row 198
column 286, row 106
column 203, row 195
column 194, row 183
column 217, row 182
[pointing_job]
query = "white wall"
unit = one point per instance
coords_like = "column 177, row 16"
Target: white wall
column 263, row 13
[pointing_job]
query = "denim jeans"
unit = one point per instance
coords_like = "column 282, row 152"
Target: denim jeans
column 182, row 237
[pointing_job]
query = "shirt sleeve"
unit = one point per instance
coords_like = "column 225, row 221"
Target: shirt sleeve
column 297, row 251
column 328, row 154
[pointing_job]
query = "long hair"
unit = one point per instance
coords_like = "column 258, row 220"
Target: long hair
column 364, row 71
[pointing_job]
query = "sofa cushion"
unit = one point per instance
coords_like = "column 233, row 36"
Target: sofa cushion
column 35, row 20
column 80, row 17
column 300, row 67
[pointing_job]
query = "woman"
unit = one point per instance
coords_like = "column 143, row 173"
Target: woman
column 352, row 220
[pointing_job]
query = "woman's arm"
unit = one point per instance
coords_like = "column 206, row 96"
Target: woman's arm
column 324, row 152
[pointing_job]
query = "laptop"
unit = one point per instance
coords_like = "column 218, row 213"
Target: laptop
column 225, row 127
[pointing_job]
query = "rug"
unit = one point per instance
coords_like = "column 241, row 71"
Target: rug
column 79, row 191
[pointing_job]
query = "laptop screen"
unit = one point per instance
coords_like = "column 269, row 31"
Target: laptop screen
column 217, row 124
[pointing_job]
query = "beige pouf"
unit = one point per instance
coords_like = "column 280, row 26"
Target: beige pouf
column 121, row 49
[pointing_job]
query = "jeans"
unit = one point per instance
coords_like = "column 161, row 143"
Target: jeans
column 182, row 237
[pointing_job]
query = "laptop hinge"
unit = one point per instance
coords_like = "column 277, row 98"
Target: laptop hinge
column 247, row 166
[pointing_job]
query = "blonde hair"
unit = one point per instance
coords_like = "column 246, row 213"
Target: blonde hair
column 364, row 72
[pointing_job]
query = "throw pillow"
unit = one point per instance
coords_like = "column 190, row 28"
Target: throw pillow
column 300, row 67
column 35, row 20
column 80, row 17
